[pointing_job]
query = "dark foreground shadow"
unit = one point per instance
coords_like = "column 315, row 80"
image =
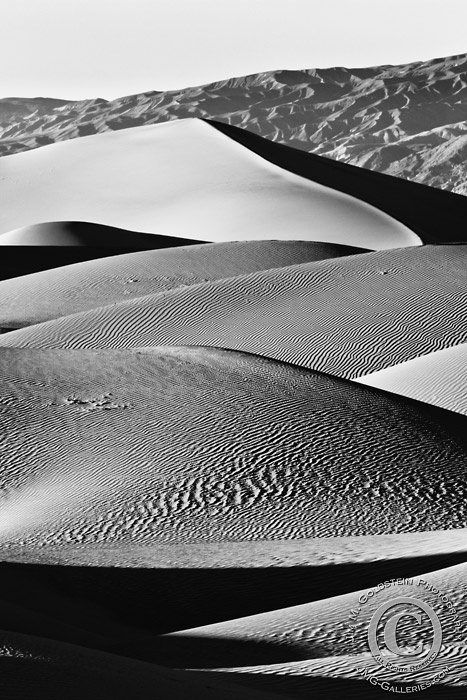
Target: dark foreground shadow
column 340, row 689
column 78, row 676
column 127, row 607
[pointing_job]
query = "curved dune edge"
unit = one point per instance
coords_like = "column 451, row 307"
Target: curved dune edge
column 184, row 176
column 435, row 215
column 182, row 445
column 346, row 317
column 320, row 551
column 74, row 288
column 439, row 378
column 14, row 262
column 81, row 233
column 315, row 639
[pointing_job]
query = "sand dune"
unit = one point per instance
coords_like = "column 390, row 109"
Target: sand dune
column 290, row 651
column 320, row 628
column 284, row 647
column 78, row 233
column 194, row 495
column 181, row 177
column 194, row 444
column 75, row 288
column 18, row 260
column 348, row 317
column 435, row 215
column 439, row 378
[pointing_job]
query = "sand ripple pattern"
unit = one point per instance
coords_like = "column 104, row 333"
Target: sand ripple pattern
column 83, row 286
column 346, row 317
column 200, row 444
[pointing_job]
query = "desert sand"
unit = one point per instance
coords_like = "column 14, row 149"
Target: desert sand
column 73, row 288
column 203, row 519
column 183, row 445
column 179, row 177
column 347, row 317
column 438, row 378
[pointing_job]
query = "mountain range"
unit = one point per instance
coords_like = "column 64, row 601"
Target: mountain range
column 406, row 120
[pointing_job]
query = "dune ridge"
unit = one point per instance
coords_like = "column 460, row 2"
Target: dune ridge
column 347, row 317
column 80, row 233
column 438, row 378
column 237, row 554
column 435, row 215
column 317, row 645
column 184, row 176
column 73, row 288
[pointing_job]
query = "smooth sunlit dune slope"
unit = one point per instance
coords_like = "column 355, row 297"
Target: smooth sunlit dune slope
column 349, row 316
column 405, row 120
column 435, row 215
column 439, row 378
column 184, row 178
column 75, row 288
column 196, row 444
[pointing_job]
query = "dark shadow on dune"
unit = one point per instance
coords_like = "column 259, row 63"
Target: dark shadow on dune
column 85, row 233
column 435, row 215
column 340, row 689
column 127, row 606
column 55, row 680
column 76, row 677
column 35, row 678
column 17, row 260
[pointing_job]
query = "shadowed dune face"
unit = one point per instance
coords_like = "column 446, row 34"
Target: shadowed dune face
column 348, row 317
column 407, row 120
column 439, row 378
column 196, row 444
column 59, row 670
column 71, row 289
column 179, row 177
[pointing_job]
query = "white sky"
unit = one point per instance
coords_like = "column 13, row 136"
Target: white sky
column 78, row 49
